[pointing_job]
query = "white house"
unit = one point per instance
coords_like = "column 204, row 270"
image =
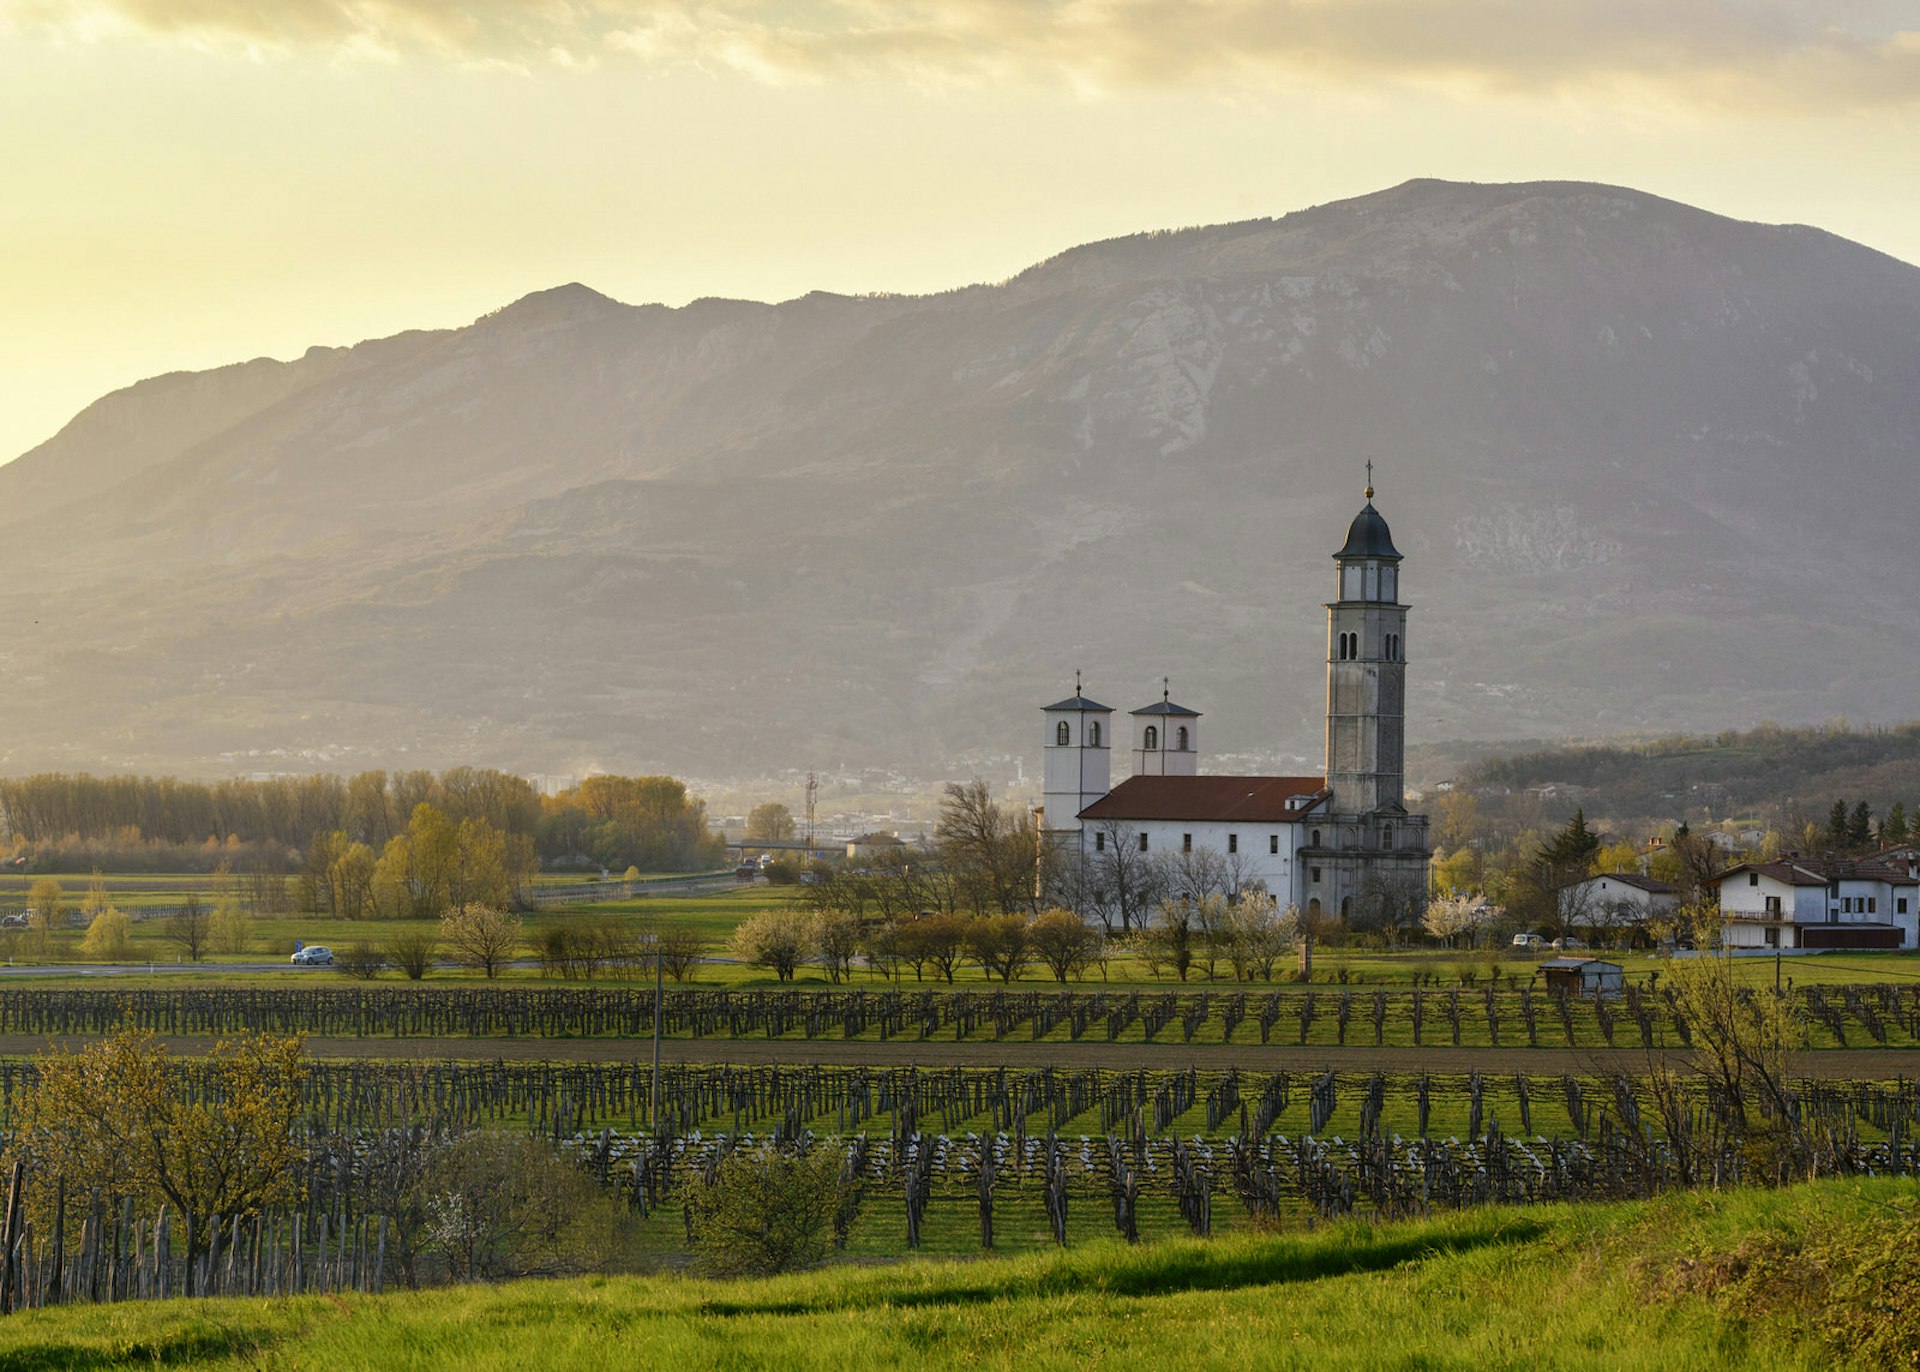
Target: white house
column 1322, row 842
column 1616, row 900
column 1821, row 903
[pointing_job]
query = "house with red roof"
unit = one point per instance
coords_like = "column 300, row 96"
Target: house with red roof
column 1827, row 902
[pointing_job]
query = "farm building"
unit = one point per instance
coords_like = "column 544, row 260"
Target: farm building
column 1583, row 976
column 868, row 847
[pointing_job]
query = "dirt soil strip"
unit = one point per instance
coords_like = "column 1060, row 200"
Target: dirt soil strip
column 1858, row 1064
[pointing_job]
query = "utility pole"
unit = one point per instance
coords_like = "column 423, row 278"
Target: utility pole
column 813, row 792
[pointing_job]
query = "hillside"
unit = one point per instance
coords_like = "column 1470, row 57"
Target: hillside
column 1637, row 455
column 1769, row 771
column 1810, row 1277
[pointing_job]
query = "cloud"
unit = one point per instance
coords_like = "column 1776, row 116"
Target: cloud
column 1756, row 55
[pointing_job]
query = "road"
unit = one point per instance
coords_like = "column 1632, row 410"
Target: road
column 127, row 969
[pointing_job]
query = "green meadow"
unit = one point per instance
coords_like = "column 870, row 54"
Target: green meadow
column 1808, row 1277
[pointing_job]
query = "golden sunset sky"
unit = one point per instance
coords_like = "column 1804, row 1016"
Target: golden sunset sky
column 185, row 183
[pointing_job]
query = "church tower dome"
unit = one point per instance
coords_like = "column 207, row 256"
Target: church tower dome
column 1368, row 535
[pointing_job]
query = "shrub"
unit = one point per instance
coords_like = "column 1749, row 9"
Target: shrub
column 109, row 937
column 412, row 953
column 362, row 962
column 502, row 1204
column 769, row 1211
column 778, row 940
column 1063, row 942
column 1000, row 944
column 230, row 929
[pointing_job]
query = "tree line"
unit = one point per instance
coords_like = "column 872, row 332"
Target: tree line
column 58, row 821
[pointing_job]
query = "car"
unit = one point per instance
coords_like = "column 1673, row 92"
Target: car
column 1568, row 942
column 315, row 956
column 1528, row 941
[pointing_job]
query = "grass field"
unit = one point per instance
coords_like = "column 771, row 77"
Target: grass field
column 1809, row 1277
column 714, row 918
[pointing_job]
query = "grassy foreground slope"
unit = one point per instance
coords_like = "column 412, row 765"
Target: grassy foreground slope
column 1812, row 1277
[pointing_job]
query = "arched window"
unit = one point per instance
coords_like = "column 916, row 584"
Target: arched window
column 1180, row 738
column 1316, row 838
column 1313, row 906
column 1093, row 734
column 1062, row 735
column 1152, row 739
column 1346, row 906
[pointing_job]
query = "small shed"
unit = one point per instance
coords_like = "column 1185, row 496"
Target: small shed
column 1583, row 976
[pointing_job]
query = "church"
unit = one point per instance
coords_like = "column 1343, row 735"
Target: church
column 1339, row 844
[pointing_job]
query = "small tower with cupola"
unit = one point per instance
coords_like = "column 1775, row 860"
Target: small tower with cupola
column 1079, row 751
column 1166, row 738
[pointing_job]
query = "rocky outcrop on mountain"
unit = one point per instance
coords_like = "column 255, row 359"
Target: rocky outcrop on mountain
column 1648, row 465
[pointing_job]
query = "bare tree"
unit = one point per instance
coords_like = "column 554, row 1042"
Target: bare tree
column 995, row 854
column 1192, row 874
column 681, row 950
column 1124, row 882
column 482, row 936
column 834, row 937
column 1389, row 903
column 190, row 929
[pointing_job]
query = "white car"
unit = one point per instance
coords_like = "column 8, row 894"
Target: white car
column 316, row 956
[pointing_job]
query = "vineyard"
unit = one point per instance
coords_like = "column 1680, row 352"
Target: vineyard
column 1836, row 1016
column 956, row 1158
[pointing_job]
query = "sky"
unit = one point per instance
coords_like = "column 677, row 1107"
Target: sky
column 187, row 183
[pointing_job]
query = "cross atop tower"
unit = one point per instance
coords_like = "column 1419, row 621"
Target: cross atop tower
column 1076, row 681
column 1166, row 689
column 1369, row 478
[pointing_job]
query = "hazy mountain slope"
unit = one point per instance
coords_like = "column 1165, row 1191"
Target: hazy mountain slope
column 1648, row 465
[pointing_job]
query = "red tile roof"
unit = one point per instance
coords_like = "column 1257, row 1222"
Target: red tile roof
column 1251, row 800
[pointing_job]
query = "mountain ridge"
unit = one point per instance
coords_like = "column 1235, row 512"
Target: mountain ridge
column 1592, row 408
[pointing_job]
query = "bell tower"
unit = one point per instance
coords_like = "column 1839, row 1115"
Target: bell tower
column 1166, row 738
column 1079, row 768
column 1366, row 670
